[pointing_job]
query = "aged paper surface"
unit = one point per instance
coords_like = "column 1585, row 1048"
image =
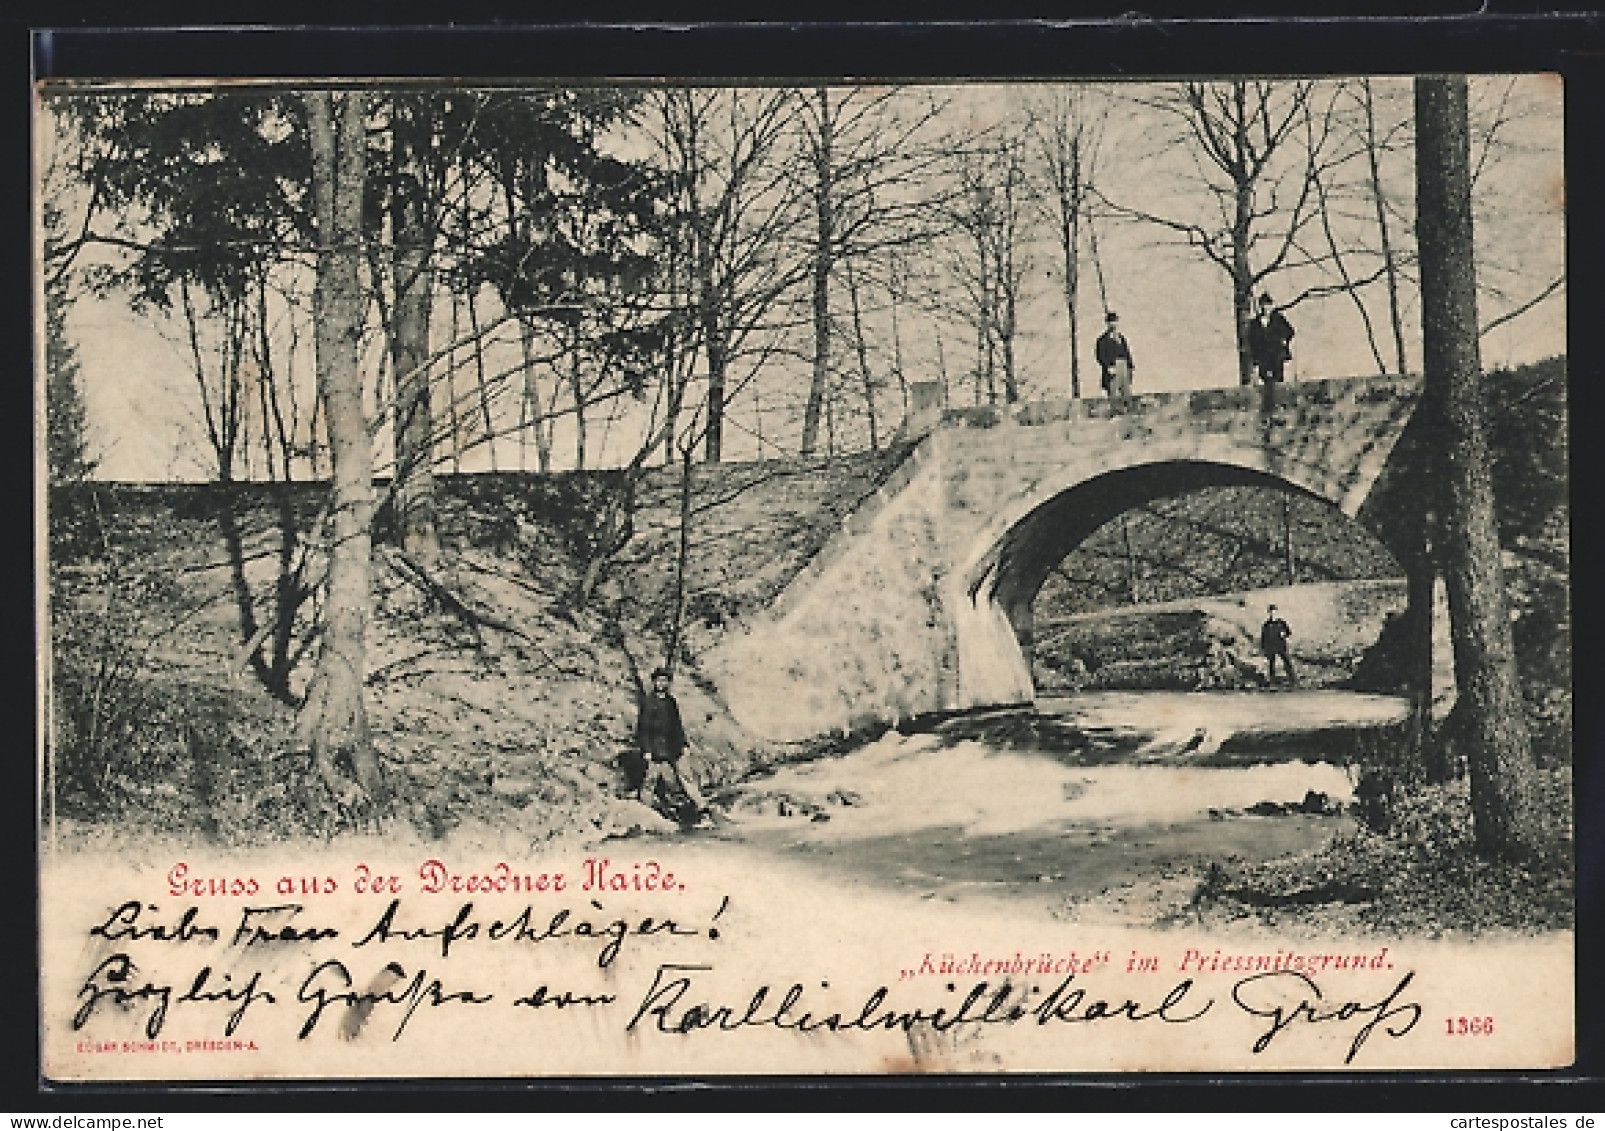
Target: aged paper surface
column 1056, row 652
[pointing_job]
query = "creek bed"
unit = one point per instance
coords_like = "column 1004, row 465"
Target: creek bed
column 1071, row 798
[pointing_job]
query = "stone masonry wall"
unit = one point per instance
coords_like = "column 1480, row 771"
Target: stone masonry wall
column 896, row 616
column 1330, row 437
column 860, row 637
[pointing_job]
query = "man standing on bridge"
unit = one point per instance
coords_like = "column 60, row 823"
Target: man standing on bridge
column 1114, row 358
column 1270, row 342
column 1273, row 635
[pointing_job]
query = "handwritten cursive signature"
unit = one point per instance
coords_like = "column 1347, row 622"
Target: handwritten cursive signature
column 676, row 1003
column 1287, row 996
column 983, row 1003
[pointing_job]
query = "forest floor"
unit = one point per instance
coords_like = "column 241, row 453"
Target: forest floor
column 1421, row 877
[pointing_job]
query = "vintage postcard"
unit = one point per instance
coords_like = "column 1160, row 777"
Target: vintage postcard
column 645, row 579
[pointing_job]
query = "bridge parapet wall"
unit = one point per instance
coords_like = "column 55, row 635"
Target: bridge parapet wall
column 1330, row 438
column 1237, row 398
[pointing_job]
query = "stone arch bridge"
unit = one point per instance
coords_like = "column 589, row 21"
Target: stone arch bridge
column 922, row 601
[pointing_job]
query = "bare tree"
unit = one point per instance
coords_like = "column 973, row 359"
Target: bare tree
column 1348, row 137
column 821, row 132
column 1068, row 129
column 1378, row 142
column 861, row 348
column 1500, row 115
column 217, row 242
column 1373, row 210
column 416, row 187
column 1245, row 137
column 1500, row 756
column 333, row 722
column 735, row 201
column 990, row 257
column 873, row 156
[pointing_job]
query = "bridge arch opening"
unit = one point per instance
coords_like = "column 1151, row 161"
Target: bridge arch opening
column 1003, row 584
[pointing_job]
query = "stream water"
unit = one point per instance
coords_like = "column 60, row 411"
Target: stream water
column 1073, row 797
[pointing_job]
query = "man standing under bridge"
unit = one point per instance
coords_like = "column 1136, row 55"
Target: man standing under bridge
column 1273, row 636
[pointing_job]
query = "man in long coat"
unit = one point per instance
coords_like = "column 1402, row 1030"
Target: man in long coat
column 660, row 736
column 1114, row 357
column 1270, row 341
column 1273, row 636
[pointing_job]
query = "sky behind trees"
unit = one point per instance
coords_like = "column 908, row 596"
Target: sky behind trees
column 904, row 312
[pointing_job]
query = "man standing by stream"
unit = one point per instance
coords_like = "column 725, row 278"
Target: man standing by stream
column 660, row 736
column 1273, row 636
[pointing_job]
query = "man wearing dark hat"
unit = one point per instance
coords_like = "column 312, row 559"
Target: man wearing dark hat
column 1114, row 358
column 1270, row 342
column 1273, row 636
column 661, row 740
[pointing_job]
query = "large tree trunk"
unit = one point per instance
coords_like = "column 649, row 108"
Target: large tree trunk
column 823, row 257
column 1418, row 550
column 413, row 281
column 718, row 365
column 1008, row 282
column 863, row 361
column 1069, row 238
column 1011, row 379
column 333, row 721
column 1485, row 666
column 1416, row 555
column 576, row 384
column 1243, row 282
